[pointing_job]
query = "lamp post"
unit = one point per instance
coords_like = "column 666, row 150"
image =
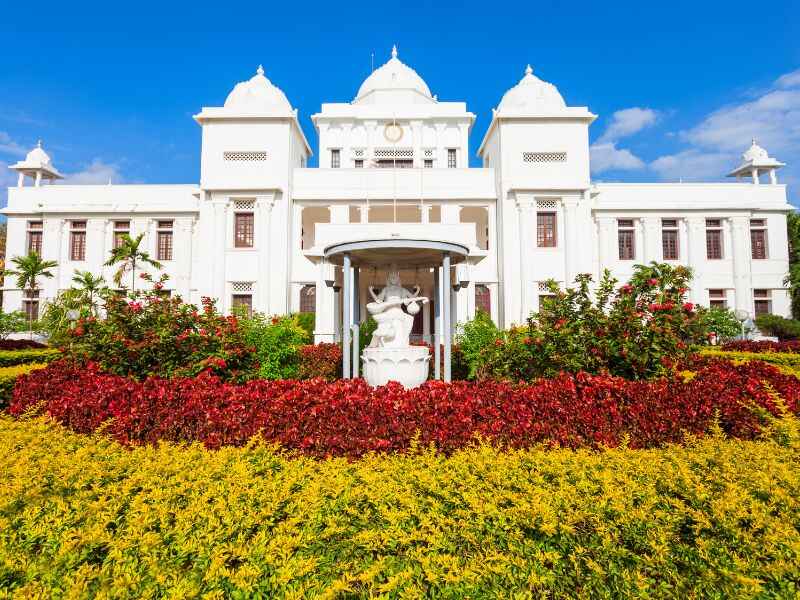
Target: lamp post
column 742, row 316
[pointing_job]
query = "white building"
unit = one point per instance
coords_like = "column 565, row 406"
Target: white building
column 262, row 228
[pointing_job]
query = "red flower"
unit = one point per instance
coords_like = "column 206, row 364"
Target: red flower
column 498, row 343
column 688, row 306
column 652, row 281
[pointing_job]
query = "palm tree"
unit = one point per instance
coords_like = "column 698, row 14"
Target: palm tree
column 127, row 255
column 28, row 269
column 89, row 288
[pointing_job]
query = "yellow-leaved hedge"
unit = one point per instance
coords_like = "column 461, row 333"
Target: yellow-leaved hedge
column 81, row 516
column 785, row 361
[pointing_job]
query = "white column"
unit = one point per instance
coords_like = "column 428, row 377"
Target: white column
column 754, row 172
column 264, row 206
column 772, row 177
column 740, row 244
column 526, row 246
column 416, row 141
column 183, row 258
column 572, row 246
column 652, row 237
column 446, row 319
column 346, row 306
column 21, row 179
column 437, row 322
column 219, row 244
column 696, row 255
column 38, row 179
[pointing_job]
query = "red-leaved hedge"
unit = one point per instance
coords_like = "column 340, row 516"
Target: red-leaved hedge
column 20, row 344
column 348, row 418
column 320, row 360
column 763, row 346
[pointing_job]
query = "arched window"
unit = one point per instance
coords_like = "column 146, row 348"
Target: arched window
column 308, row 299
column 483, row 298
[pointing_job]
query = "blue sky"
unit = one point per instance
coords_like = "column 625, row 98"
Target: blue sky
column 680, row 87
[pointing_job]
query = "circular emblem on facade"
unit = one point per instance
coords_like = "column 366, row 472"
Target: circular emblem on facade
column 393, row 132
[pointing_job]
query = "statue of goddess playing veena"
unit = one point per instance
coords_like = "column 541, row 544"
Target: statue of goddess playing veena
column 393, row 324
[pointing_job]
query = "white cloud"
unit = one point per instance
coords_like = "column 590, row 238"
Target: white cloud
column 9, row 146
column 716, row 143
column 628, row 121
column 607, row 157
column 97, row 172
column 624, row 123
column 692, row 165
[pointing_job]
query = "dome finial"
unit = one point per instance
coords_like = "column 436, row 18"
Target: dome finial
column 260, row 70
column 39, row 144
column 529, row 70
column 394, row 50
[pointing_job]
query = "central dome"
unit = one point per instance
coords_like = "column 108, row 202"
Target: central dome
column 532, row 95
column 394, row 76
column 257, row 95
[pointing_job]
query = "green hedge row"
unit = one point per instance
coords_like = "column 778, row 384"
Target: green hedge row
column 9, row 358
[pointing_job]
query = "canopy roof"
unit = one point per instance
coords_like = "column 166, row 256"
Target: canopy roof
column 407, row 254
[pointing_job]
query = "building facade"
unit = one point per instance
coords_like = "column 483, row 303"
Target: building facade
column 393, row 165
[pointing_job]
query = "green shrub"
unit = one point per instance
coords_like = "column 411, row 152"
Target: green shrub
column 365, row 331
column 83, row 517
column 473, row 340
column 307, row 321
column 721, row 321
column 783, row 329
column 11, row 322
column 9, row 358
column 277, row 342
column 8, row 377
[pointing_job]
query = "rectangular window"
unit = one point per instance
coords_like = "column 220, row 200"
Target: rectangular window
column 758, row 238
column 428, row 163
column 30, row 304
column 713, row 239
column 626, row 239
column 483, row 298
column 77, row 241
column 164, row 233
column 669, row 239
column 358, row 163
column 336, row 158
column 762, row 302
column 308, row 299
column 121, row 229
column 451, row 158
column 245, row 300
column 717, row 299
column 245, row 223
column 546, row 229
column 35, row 237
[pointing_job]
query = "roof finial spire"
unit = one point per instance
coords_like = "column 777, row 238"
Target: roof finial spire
column 528, row 70
column 260, row 70
column 39, row 143
column 394, row 50
column 754, row 141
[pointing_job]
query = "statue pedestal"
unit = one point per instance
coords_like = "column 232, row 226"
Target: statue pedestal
column 408, row 366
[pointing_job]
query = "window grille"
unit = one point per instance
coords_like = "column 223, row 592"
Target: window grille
column 121, row 228
column 30, row 302
column 451, row 158
column 758, row 238
column 245, row 155
column 546, row 229
column 336, row 158
column 626, row 239
column 394, row 153
column 547, row 203
column 35, row 237
column 164, row 234
column 358, row 163
column 244, row 225
column 244, row 204
column 242, row 286
column 242, row 300
column 762, row 302
column 544, row 157
column 308, row 299
column 717, row 298
column 669, row 239
column 77, row 242
column 713, row 239
column 483, row 298
column 428, row 163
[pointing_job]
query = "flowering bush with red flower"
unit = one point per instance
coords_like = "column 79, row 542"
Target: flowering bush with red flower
column 154, row 335
column 790, row 347
column 349, row 418
column 320, row 360
column 635, row 331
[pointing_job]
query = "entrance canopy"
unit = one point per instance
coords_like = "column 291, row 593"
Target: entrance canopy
column 407, row 254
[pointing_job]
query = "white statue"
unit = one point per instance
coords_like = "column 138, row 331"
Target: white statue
column 394, row 325
column 390, row 356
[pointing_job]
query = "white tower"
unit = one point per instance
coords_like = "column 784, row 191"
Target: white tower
column 37, row 166
column 539, row 150
column 756, row 162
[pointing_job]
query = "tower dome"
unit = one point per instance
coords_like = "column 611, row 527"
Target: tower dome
column 532, row 95
column 393, row 82
column 257, row 95
column 38, row 156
